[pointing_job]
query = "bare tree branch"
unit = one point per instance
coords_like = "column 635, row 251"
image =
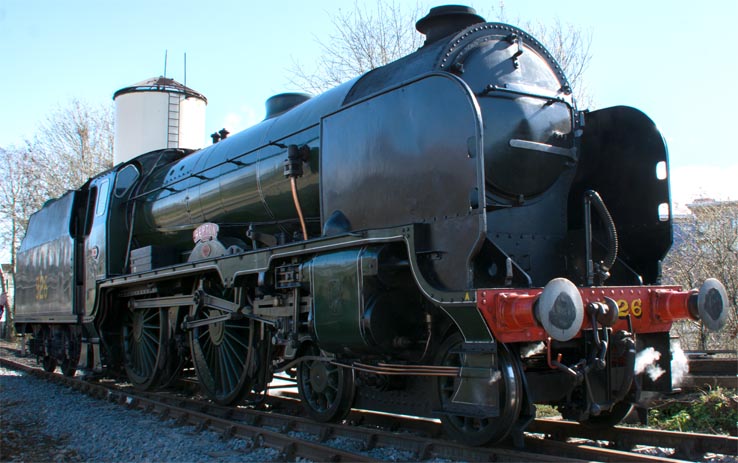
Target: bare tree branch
column 570, row 46
column 706, row 245
column 372, row 35
column 364, row 38
column 74, row 143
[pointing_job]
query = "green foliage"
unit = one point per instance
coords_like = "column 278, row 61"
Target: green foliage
column 547, row 411
column 712, row 412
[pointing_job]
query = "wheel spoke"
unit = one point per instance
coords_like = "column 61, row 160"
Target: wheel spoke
column 232, row 368
column 146, row 357
column 203, row 337
column 150, row 348
column 151, row 335
column 151, row 315
column 224, row 378
column 137, row 357
column 239, row 354
column 235, row 339
column 212, row 358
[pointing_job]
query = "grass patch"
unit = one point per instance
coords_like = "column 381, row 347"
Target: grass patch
column 713, row 412
column 547, row 411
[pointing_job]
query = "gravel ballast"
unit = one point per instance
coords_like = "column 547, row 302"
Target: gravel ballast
column 41, row 421
column 49, row 422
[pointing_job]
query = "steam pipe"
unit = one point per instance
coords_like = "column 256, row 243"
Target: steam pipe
column 593, row 198
column 293, row 184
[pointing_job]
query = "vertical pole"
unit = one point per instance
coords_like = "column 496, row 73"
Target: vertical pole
column 588, row 239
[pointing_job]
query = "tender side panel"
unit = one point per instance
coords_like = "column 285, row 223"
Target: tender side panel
column 45, row 269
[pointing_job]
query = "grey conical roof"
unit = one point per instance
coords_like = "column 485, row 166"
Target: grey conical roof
column 160, row 84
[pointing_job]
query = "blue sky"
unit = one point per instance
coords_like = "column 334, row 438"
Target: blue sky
column 674, row 60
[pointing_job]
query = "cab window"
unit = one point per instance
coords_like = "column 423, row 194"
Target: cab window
column 102, row 198
column 125, row 180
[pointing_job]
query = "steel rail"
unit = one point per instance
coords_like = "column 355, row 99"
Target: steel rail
column 251, row 424
column 420, row 436
column 288, row 446
column 691, row 445
column 423, row 446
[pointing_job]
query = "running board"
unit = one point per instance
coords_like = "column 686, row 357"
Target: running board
column 161, row 302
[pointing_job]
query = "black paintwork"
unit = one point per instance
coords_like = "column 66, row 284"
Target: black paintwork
column 461, row 166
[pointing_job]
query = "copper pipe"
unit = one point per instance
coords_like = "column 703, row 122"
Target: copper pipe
column 293, row 184
column 381, row 369
column 556, row 364
column 548, row 353
column 403, row 370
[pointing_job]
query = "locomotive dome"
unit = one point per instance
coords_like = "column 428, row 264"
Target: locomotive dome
column 157, row 113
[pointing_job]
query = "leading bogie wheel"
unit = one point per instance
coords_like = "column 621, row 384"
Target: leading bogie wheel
column 473, row 430
column 326, row 390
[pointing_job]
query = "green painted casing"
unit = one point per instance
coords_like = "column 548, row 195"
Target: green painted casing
column 336, row 283
column 239, row 181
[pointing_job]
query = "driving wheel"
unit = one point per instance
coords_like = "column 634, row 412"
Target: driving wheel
column 145, row 331
column 223, row 354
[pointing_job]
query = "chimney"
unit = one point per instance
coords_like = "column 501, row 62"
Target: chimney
column 445, row 20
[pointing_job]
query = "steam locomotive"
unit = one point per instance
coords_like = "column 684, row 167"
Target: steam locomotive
column 445, row 236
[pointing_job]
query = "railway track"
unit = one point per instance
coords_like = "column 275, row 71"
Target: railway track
column 691, row 446
column 202, row 418
column 276, row 423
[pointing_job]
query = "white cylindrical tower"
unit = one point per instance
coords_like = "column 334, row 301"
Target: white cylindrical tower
column 155, row 114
